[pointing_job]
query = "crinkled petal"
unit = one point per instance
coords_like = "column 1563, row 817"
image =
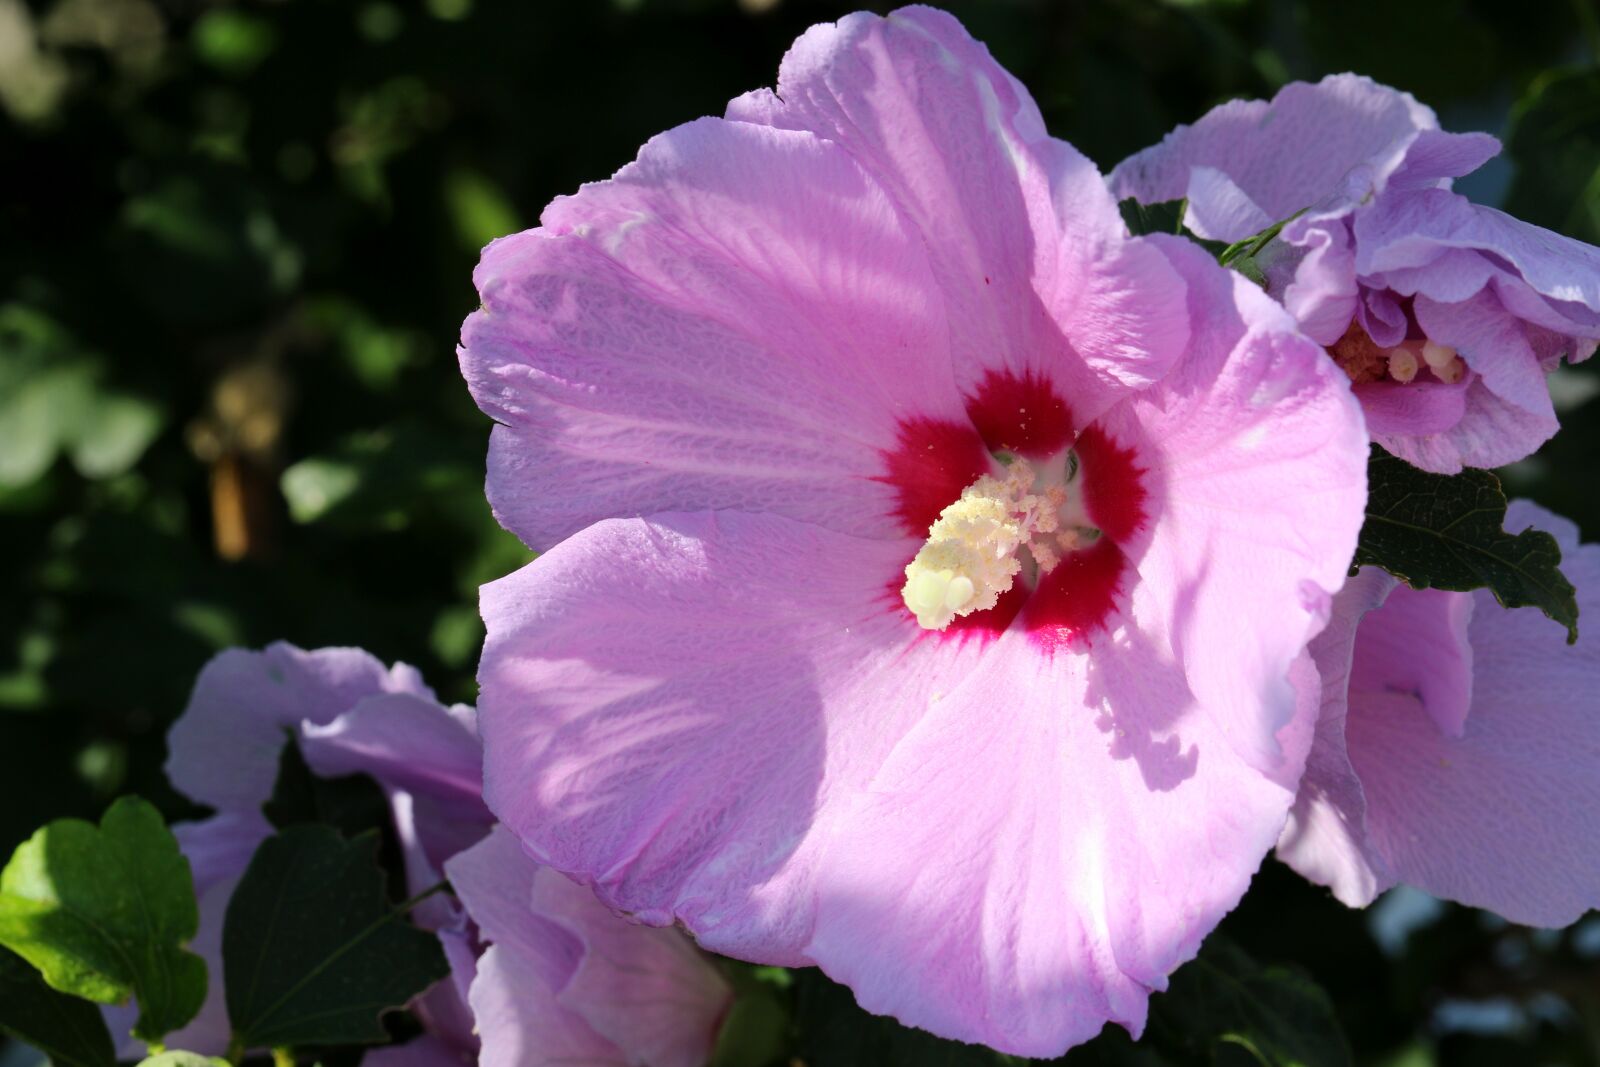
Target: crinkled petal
column 692, row 765
column 405, row 742
column 514, row 993
column 1506, row 816
column 1507, row 413
column 1025, row 241
column 741, row 318
column 647, row 990
column 223, row 751
column 1341, row 137
column 1413, row 229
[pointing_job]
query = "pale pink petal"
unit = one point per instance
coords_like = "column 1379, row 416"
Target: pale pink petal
column 755, row 673
column 494, row 881
column 514, row 994
column 1506, row 816
column 522, row 1024
column 1290, row 153
column 1418, row 645
column 741, row 318
column 1255, row 414
column 1054, row 838
column 647, row 990
column 1325, row 838
column 223, row 751
column 405, row 742
column 1414, row 229
column 1025, row 241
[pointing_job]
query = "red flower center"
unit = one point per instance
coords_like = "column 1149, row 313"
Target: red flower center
column 935, row 461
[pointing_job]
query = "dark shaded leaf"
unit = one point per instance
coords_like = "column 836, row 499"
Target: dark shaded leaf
column 352, row 804
column 103, row 912
column 835, row 1031
column 1165, row 217
column 68, row 1030
column 1438, row 531
column 1225, row 1009
column 312, row 950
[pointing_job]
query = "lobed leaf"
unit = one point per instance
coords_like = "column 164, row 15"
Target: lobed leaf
column 103, row 913
column 312, row 950
column 1438, row 531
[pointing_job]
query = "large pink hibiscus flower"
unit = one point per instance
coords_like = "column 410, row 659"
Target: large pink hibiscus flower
column 928, row 564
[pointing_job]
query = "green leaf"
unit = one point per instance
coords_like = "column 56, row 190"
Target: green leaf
column 104, row 912
column 312, row 951
column 1165, row 217
column 1225, row 1009
column 1439, row 531
column 352, row 804
column 68, row 1030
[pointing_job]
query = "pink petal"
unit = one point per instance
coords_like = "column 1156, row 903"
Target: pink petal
column 1025, row 241
column 1325, row 838
column 692, row 765
column 405, row 742
column 1290, row 153
column 1417, row 645
column 741, row 318
column 1507, row 816
column 1053, row 839
column 494, row 881
column 647, row 990
column 1257, row 415
column 522, row 1024
column 1499, row 811
column 1413, row 229
column 514, row 994
column 223, row 751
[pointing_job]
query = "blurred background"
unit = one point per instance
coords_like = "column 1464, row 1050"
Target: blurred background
column 236, row 244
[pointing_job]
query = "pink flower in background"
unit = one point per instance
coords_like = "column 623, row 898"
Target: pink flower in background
column 352, row 715
column 927, row 563
column 1457, row 746
column 1445, row 314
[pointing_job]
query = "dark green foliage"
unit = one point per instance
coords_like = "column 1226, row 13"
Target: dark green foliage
column 1441, row 531
column 104, row 912
column 1225, row 1009
column 312, row 950
column 352, row 804
column 65, row 1028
